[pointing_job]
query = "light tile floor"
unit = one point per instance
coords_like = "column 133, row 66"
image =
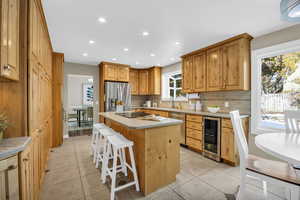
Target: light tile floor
column 73, row 176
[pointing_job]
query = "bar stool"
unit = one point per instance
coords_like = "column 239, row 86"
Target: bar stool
column 102, row 144
column 118, row 143
column 95, row 137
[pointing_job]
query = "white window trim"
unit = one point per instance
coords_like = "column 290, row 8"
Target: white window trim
column 257, row 126
column 165, row 87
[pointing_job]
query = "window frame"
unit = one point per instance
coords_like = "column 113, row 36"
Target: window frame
column 257, row 126
column 166, row 87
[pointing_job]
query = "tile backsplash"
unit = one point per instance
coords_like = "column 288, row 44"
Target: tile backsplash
column 237, row 100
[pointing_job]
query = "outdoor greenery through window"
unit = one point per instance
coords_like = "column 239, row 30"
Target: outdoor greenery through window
column 280, row 86
column 175, row 87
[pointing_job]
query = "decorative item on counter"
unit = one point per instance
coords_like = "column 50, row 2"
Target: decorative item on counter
column 3, row 124
column 120, row 106
column 154, row 104
column 191, row 105
column 148, row 103
column 198, row 106
column 213, row 109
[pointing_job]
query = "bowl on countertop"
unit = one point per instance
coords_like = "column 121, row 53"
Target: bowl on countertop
column 213, row 109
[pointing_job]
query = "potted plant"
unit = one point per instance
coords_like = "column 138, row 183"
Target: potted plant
column 3, row 124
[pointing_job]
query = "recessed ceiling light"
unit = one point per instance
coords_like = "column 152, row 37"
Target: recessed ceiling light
column 172, row 59
column 91, row 41
column 152, row 54
column 158, row 64
column 125, row 49
column 145, row 33
column 85, row 54
column 102, row 20
column 177, row 43
column 114, row 59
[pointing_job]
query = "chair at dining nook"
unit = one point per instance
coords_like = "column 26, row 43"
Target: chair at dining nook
column 292, row 121
column 267, row 171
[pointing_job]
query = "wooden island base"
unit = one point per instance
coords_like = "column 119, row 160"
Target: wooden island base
column 156, row 153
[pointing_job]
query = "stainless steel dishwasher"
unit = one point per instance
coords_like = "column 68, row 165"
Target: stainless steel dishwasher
column 180, row 116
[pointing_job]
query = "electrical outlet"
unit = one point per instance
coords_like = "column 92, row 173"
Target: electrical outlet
column 226, row 104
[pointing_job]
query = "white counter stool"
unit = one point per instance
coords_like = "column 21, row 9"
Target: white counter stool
column 95, row 137
column 101, row 146
column 119, row 143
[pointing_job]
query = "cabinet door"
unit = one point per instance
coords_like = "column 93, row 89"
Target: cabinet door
column 227, row 145
column 187, row 75
column 199, row 72
column 143, row 82
column 232, row 66
column 123, row 74
column 34, row 97
column 214, row 69
column 155, row 81
column 10, row 39
column 110, row 72
column 26, row 165
column 134, row 81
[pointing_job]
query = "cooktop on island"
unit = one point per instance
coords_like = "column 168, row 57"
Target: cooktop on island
column 132, row 114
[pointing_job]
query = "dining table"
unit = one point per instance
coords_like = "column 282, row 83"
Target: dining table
column 285, row 146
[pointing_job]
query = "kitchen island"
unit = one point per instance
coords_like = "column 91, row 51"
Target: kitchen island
column 156, row 148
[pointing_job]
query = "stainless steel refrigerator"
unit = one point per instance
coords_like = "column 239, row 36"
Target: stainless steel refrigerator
column 116, row 91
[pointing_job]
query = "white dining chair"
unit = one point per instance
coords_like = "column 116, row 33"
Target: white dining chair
column 275, row 172
column 292, row 121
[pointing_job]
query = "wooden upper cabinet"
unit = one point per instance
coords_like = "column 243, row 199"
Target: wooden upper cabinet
column 10, row 16
column 134, row 81
column 110, row 72
column 154, row 81
column 214, row 69
column 199, row 73
column 236, row 65
column 115, row 72
column 219, row 67
column 143, row 82
column 123, row 74
column 187, row 73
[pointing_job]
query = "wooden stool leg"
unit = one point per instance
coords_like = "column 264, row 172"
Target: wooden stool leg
column 137, row 187
column 114, row 174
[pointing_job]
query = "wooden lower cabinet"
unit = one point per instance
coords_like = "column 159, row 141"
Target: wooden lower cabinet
column 26, row 173
column 9, row 178
column 194, row 131
column 229, row 151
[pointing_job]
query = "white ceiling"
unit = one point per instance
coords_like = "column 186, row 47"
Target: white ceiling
column 193, row 23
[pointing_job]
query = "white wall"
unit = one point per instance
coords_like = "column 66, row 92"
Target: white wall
column 87, row 70
column 75, row 90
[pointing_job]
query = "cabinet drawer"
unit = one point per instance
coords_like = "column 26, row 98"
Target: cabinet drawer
column 194, row 125
column 226, row 123
column 194, row 118
column 162, row 113
column 196, row 134
column 9, row 162
column 196, row 144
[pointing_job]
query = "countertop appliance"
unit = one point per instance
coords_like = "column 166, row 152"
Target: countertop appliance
column 117, row 92
column 180, row 116
column 132, row 114
column 212, row 138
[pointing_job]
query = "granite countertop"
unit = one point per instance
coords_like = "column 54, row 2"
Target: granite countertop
column 219, row 114
column 135, row 123
column 12, row 146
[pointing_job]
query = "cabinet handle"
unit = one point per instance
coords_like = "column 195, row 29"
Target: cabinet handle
column 7, row 67
column 12, row 167
column 25, row 159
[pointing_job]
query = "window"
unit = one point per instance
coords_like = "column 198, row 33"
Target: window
column 275, row 85
column 173, row 87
